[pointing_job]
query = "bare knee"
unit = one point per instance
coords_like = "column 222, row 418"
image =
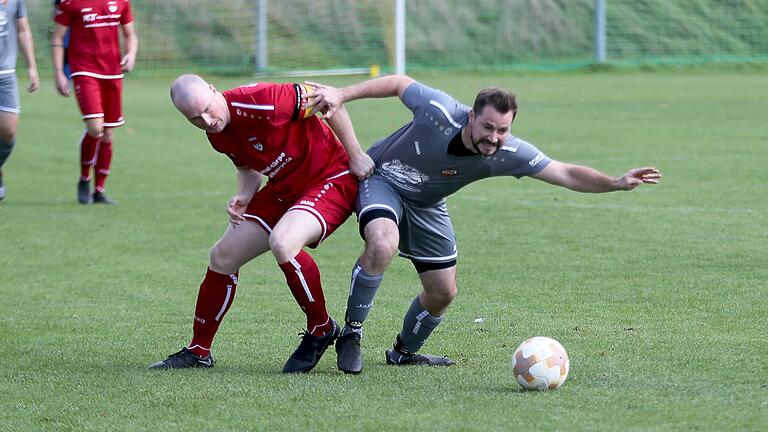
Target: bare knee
column 283, row 247
column 106, row 134
column 7, row 130
column 442, row 295
column 95, row 130
column 381, row 244
column 222, row 260
column 439, row 290
column 7, row 134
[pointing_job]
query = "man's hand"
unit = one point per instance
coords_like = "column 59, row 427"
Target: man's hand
column 635, row 177
column 361, row 166
column 34, row 80
column 62, row 84
column 322, row 99
column 236, row 209
column 127, row 63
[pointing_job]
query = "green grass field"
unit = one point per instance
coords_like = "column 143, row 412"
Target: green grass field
column 659, row 295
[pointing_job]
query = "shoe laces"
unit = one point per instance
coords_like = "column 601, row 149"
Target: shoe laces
column 308, row 342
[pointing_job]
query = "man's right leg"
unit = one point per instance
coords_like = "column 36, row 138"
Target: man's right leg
column 217, row 291
column 8, row 123
column 381, row 241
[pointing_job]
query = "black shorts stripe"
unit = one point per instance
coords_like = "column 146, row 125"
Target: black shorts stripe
column 422, row 266
column 374, row 214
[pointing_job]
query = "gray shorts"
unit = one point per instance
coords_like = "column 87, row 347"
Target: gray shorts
column 9, row 93
column 426, row 233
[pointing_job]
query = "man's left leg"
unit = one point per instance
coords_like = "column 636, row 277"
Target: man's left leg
column 111, row 91
column 423, row 316
column 103, row 164
column 295, row 230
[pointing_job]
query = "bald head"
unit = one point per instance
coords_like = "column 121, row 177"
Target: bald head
column 189, row 92
column 200, row 103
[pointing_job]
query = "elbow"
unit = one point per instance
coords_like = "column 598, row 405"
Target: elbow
column 402, row 83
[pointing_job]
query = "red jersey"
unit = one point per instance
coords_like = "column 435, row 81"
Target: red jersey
column 270, row 133
column 94, row 43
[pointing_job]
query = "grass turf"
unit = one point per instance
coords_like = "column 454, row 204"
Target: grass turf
column 658, row 295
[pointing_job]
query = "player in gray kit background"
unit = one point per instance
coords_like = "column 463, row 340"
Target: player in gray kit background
column 14, row 33
column 402, row 207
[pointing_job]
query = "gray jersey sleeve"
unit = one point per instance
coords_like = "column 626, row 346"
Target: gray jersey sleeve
column 420, row 99
column 22, row 12
column 12, row 11
column 524, row 158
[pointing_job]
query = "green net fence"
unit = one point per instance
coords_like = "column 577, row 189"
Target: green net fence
column 305, row 35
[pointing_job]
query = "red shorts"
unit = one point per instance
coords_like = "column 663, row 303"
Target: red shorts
column 100, row 98
column 330, row 201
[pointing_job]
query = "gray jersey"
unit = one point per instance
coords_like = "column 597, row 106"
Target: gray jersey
column 415, row 158
column 10, row 12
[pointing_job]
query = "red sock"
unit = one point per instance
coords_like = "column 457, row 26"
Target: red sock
column 303, row 279
column 213, row 301
column 103, row 162
column 88, row 147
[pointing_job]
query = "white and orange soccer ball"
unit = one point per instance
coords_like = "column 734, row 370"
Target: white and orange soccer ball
column 540, row 363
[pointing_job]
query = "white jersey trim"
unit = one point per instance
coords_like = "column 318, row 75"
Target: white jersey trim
column 256, row 107
column 10, row 110
column 7, row 71
column 430, row 259
column 115, row 124
column 338, row 175
column 317, row 215
column 98, row 75
column 445, row 112
column 261, row 222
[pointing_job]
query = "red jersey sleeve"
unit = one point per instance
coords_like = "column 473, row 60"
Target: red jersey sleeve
column 63, row 14
column 127, row 16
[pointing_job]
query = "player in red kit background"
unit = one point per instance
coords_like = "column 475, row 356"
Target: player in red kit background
column 310, row 191
column 97, row 75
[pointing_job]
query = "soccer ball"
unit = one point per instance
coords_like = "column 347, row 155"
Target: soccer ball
column 540, row 363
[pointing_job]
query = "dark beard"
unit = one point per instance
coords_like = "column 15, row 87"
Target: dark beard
column 477, row 148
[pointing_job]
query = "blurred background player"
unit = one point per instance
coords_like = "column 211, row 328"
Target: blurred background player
column 311, row 191
column 97, row 73
column 402, row 206
column 67, row 69
column 14, row 33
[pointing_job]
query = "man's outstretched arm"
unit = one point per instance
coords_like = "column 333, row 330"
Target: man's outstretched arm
column 360, row 164
column 327, row 99
column 585, row 179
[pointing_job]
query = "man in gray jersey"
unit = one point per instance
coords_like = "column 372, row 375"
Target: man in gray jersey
column 14, row 32
column 402, row 207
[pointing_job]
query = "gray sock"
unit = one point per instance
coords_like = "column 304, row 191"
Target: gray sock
column 362, row 290
column 5, row 149
column 418, row 324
